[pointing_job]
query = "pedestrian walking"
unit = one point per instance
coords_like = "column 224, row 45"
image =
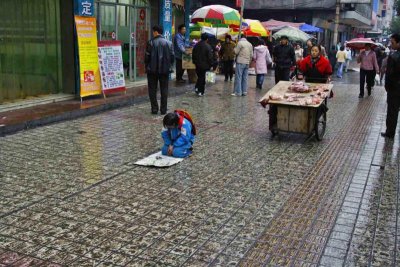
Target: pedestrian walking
column 392, row 86
column 244, row 55
column 380, row 56
column 368, row 69
column 307, row 49
column 203, row 60
column 323, row 50
column 315, row 67
column 341, row 60
column 262, row 58
column 298, row 52
column 159, row 58
column 179, row 50
column 332, row 57
column 338, row 46
column 348, row 58
column 227, row 54
column 284, row 58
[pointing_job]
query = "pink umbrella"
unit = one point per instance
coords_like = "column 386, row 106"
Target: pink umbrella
column 359, row 43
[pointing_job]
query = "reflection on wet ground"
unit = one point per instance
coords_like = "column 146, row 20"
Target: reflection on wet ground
column 70, row 194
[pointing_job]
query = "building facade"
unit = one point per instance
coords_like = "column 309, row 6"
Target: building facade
column 38, row 54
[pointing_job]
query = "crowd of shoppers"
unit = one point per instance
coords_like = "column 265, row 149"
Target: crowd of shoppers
column 235, row 58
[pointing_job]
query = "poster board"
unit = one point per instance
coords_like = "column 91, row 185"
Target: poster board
column 111, row 66
column 158, row 160
column 88, row 58
column 187, row 63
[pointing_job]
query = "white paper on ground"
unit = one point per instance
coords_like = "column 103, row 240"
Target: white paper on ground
column 158, row 160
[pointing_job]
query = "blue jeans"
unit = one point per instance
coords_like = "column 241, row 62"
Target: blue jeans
column 260, row 79
column 241, row 76
column 340, row 69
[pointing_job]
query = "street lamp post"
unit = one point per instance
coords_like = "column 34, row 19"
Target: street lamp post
column 241, row 18
column 337, row 13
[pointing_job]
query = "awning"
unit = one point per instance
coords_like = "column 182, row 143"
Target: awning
column 276, row 25
column 309, row 28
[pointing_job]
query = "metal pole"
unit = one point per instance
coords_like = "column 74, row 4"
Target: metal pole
column 335, row 33
column 241, row 19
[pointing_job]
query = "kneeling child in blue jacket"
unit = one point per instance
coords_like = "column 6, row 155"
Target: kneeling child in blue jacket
column 178, row 136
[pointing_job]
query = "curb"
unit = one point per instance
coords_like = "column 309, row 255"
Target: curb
column 79, row 113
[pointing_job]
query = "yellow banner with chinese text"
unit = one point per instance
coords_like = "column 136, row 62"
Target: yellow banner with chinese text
column 88, row 56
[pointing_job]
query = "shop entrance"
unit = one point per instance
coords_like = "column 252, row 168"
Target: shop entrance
column 130, row 24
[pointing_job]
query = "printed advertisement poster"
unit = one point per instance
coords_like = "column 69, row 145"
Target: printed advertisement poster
column 88, row 58
column 111, row 66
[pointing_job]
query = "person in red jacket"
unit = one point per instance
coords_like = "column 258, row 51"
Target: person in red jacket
column 315, row 67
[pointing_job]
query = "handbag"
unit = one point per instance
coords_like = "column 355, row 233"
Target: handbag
column 210, row 77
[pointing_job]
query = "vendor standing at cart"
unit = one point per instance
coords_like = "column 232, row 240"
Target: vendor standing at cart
column 284, row 58
column 315, row 67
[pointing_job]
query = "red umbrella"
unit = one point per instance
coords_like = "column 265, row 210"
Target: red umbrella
column 359, row 43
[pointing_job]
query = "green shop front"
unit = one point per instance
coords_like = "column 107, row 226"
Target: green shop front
column 38, row 53
column 128, row 21
column 30, row 49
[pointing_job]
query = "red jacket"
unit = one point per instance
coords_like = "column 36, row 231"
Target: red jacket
column 323, row 65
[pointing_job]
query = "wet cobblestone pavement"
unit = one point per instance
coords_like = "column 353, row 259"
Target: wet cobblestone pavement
column 70, row 194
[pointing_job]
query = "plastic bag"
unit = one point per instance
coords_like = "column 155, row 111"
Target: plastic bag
column 210, row 77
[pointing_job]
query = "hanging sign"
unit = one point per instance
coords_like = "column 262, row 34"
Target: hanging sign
column 166, row 18
column 88, row 58
column 111, row 66
column 84, row 8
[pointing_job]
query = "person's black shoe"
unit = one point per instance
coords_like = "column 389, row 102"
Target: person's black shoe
column 154, row 112
column 360, row 96
column 226, row 79
column 163, row 113
column 384, row 134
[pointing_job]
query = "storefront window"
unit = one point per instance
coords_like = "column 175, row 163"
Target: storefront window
column 127, row 2
column 30, row 48
column 107, row 22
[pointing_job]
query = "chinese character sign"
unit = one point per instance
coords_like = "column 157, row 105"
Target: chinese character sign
column 84, row 8
column 111, row 66
column 166, row 18
column 88, row 56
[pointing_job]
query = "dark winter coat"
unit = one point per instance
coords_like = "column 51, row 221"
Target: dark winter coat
column 392, row 77
column 159, row 56
column 203, row 55
column 284, row 56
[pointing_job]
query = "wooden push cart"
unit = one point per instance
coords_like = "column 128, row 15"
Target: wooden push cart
column 296, row 117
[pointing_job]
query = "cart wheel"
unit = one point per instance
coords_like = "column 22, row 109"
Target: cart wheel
column 320, row 125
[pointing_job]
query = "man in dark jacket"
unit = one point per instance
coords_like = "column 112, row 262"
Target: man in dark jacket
column 392, row 86
column 158, row 60
column 284, row 58
column 203, row 59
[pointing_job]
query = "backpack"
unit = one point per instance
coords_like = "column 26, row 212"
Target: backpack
column 185, row 115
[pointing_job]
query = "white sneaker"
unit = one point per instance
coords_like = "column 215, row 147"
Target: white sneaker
column 234, row 94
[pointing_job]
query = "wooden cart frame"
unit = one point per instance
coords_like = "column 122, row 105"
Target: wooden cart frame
column 295, row 118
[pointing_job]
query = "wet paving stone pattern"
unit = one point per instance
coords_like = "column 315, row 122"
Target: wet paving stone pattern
column 70, row 194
